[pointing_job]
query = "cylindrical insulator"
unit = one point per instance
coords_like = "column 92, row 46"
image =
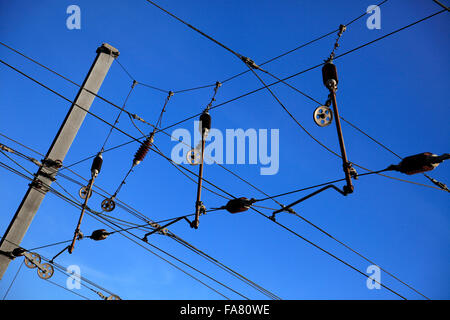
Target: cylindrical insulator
column 418, row 163
column 100, row 234
column 143, row 150
column 239, row 205
column 17, row 252
column 329, row 72
column 97, row 165
column 205, row 122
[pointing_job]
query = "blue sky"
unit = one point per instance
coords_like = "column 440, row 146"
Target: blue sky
column 395, row 90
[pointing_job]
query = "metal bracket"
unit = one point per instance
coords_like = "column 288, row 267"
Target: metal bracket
column 288, row 208
column 45, row 175
column 161, row 229
column 49, row 163
column 39, row 185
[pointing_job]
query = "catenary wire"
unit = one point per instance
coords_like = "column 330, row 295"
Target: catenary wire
column 195, row 269
column 103, row 221
column 134, row 139
column 308, row 242
column 13, row 280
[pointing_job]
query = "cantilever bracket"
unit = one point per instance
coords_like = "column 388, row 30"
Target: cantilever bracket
column 164, row 226
column 288, row 208
column 58, row 254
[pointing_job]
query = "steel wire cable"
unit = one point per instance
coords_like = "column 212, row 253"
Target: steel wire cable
column 13, row 280
column 186, row 244
column 62, row 269
column 340, row 241
column 354, row 268
column 291, row 232
column 89, row 112
column 73, row 203
column 347, row 245
column 329, row 253
column 134, row 139
column 118, row 117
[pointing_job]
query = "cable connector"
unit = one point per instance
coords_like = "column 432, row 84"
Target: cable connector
column 441, row 185
column 353, row 172
column 5, row 148
column 342, row 29
column 251, row 63
column 136, row 117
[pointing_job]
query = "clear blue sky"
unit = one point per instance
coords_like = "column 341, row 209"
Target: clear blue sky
column 396, row 90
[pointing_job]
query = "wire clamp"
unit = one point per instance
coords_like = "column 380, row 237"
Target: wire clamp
column 49, row 163
column 249, row 62
column 38, row 184
column 353, row 172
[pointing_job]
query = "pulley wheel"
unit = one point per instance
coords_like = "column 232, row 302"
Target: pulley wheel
column 83, row 192
column 31, row 263
column 46, row 271
column 108, row 205
column 113, row 297
column 323, row 116
column 193, row 157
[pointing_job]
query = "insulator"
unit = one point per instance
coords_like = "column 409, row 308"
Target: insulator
column 239, row 205
column 96, row 165
column 143, row 150
column 329, row 73
column 100, row 234
column 418, row 163
column 205, row 122
column 17, row 252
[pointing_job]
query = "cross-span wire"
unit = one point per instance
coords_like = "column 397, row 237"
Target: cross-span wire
column 204, row 255
column 319, row 247
column 290, row 77
column 75, row 204
column 134, row 139
column 53, row 91
column 64, row 271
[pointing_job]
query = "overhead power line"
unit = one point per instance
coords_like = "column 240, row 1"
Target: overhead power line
column 84, row 281
column 173, row 236
column 328, row 253
column 163, row 130
column 186, row 244
column 442, row 5
column 98, row 217
column 113, row 126
column 33, row 79
column 283, row 80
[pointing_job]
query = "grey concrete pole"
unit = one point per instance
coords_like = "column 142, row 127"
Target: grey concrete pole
column 55, row 155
